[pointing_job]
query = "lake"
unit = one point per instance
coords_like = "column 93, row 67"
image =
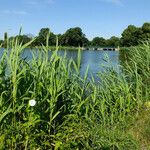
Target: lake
column 96, row 60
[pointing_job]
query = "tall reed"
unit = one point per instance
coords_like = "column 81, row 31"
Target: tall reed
column 71, row 112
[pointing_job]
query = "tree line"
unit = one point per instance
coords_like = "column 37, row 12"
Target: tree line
column 131, row 36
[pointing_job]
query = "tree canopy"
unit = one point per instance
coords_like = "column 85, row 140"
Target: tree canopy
column 131, row 36
column 98, row 41
column 45, row 33
column 74, row 37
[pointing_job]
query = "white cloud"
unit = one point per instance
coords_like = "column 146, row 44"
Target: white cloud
column 14, row 12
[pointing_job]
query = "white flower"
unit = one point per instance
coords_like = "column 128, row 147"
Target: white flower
column 32, row 102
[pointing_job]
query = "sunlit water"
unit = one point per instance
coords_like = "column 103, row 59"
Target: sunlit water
column 96, row 61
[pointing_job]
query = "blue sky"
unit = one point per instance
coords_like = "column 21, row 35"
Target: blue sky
column 96, row 17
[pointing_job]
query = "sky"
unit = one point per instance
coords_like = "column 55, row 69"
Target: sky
column 103, row 18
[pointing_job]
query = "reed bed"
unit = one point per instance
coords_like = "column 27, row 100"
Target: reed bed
column 45, row 104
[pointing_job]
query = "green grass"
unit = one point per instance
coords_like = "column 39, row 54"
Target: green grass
column 71, row 112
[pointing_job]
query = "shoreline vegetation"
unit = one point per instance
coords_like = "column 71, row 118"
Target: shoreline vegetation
column 74, row 37
column 45, row 104
column 53, row 48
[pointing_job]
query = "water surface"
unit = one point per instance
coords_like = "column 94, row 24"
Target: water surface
column 97, row 61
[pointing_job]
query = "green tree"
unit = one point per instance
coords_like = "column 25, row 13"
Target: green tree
column 145, row 31
column 43, row 34
column 85, row 41
column 113, row 42
column 98, row 41
column 74, row 37
column 23, row 39
column 130, row 36
column 59, row 38
column 41, row 39
column 52, row 39
column 146, row 27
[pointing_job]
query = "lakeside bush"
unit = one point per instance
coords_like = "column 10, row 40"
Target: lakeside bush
column 70, row 112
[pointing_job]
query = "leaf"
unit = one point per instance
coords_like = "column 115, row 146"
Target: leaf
column 57, row 145
column 56, row 114
column 2, row 138
column 9, row 110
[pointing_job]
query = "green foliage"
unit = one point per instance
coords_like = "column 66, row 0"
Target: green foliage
column 113, row 41
column 41, row 39
column 133, row 35
column 70, row 112
column 146, row 31
column 130, row 36
column 74, row 37
column 146, row 27
column 136, row 62
column 98, row 41
column 101, row 42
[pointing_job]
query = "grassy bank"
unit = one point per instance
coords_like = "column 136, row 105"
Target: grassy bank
column 72, row 112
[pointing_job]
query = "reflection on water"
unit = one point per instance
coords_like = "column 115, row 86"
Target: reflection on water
column 97, row 61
